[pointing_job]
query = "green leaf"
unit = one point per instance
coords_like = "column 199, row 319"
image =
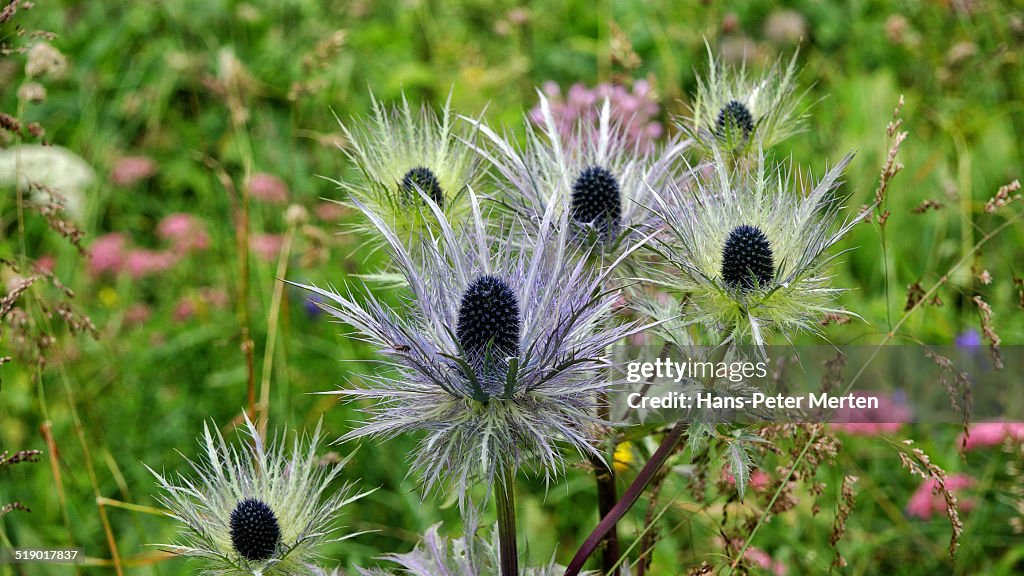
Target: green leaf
column 741, row 465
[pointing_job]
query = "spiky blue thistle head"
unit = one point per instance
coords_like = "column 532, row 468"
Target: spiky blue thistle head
column 489, row 318
column 599, row 179
column 255, row 531
column 420, row 179
column 406, row 156
column 740, row 111
column 597, row 199
column 747, row 259
column 735, row 122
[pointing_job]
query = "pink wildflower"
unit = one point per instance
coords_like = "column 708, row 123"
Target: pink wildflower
column 132, row 169
column 266, row 246
column 141, row 262
column 137, row 314
column 889, row 417
column 184, row 231
column 635, row 110
column 45, row 263
column 107, row 254
column 214, row 297
column 184, row 310
column 763, row 560
column 330, row 211
column 927, row 502
column 985, row 434
column 268, row 188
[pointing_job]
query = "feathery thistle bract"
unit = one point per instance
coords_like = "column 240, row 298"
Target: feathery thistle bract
column 738, row 112
column 750, row 251
column 407, row 159
column 475, row 553
column 598, row 181
column 260, row 509
column 495, row 359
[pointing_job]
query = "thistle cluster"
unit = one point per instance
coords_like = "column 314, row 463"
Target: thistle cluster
column 515, row 262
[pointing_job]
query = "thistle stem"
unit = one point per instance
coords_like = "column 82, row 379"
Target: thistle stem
column 607, row 496
column 505, row 501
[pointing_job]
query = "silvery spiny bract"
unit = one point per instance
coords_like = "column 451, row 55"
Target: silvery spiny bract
column 495, row 358
column 750, row 251
column 737, row 112
column 476, row 553
column 597, row 181
column 260, row 509
column 407, row 159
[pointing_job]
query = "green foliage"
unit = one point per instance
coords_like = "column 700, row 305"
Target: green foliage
column 214, row 91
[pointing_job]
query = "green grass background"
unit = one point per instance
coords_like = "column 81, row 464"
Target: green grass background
column 140, row 84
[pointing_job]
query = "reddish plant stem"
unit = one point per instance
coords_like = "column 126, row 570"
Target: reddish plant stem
column 606, row 498
column 629, row 498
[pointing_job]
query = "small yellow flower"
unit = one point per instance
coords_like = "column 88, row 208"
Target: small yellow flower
column 108, row 297
column 623, row 457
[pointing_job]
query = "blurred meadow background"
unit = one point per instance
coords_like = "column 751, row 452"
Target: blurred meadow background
column 199, row 134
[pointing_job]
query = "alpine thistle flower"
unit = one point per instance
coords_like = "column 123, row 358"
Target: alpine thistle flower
column 751, row 252
column 737, row 112
column 258, row 510
column 475, row 553
column 408, row 159
column 495, row 358
column 597, row 180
